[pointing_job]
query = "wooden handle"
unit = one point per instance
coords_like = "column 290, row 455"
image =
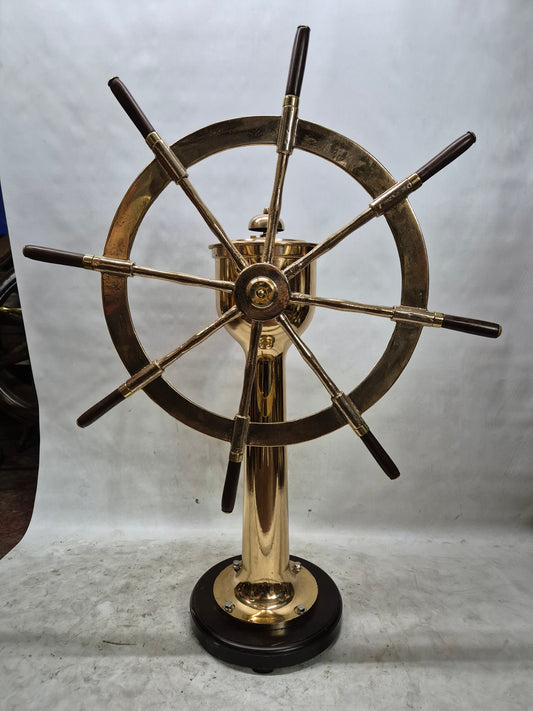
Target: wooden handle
column 449, row 154
column 96, row 411
column 53, row 256
column 130, row 106
column 380, row 455
column 297, row 66
column 472, row 325
column 231, row 484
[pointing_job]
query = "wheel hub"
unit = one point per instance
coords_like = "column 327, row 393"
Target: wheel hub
column 262, row 292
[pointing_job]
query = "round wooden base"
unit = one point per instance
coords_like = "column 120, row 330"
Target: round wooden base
column 266, row 647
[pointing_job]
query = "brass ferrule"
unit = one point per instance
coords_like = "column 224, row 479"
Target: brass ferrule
column 238, row 438
column 350, row 413
column 421, row 317
column 140, row 380
column 288, row 124
column 108, row 265
column 399, row 191
column 166, row 157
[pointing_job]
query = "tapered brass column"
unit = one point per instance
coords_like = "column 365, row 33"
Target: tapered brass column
column 264, row 585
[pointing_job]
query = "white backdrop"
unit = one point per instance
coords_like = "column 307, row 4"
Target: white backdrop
column 403, row 79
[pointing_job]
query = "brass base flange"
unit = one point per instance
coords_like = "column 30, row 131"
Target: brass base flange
column 265, row 602
column 265, row 647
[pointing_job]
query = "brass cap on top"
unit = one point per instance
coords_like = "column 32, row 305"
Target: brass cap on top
column 259, row 223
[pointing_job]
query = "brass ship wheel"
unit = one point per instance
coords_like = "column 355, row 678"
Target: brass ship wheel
column 265, row 609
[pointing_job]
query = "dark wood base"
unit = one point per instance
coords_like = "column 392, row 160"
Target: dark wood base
column 264, row 648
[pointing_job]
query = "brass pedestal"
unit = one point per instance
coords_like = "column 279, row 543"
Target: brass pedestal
column 263, row 609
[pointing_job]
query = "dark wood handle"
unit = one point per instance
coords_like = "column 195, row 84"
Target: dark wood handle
column 380, row 455
column 231, row 484
column 449, row 154
column 96, row 411
column 53, row 256
column 472, row 325
column 130, row 106
column 297, row 66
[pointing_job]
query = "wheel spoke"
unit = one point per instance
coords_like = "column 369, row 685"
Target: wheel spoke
column 172, row 165
column 241, row 422
column 286, row 135
column 387, row 200
column 120, row 267
column 153, row 370
column 405, row 314
column 343, row 404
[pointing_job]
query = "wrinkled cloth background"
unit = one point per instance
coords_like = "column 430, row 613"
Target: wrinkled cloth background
column 435, row 568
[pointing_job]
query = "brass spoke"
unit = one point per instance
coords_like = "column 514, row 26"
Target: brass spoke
column 343, row 404
column 387, row 200
column 174, row 168
column 286, row 134
column 405, row 314
column 120, row 267
column 153, row 370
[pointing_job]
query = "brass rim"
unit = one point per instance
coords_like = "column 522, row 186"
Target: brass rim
column 326, row 144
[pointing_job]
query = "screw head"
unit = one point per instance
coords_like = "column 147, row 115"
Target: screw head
column 237, row 565
column 229, row 607
column 300, row 609
column 296, row 566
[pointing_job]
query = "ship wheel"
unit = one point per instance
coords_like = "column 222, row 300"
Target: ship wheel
column 262, row 291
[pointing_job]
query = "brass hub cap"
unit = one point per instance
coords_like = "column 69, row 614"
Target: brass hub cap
column 262, row 292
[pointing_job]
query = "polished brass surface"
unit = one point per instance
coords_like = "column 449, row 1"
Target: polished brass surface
column 285, row 146
column 125, row 267
column 420, row 316
column 287, row 124
column 265, row 602
column 262, row 291
column 166, row 157
column 406, row 314
column 321, row 142
column 265, row 587
column 259, row 223
column 397, row 192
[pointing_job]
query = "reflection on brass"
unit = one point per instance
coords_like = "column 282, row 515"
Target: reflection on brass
column 266, row 595
column 287, row 124
column 261, row 291
column 265, row 602
column 285, row 251
column 419, row 316
column 266, row 343
column 166, row 157
column 259, row 223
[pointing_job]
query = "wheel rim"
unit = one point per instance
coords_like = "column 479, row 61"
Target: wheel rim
column 321, row 142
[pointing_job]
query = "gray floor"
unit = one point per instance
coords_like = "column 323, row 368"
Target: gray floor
column 428, row 624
